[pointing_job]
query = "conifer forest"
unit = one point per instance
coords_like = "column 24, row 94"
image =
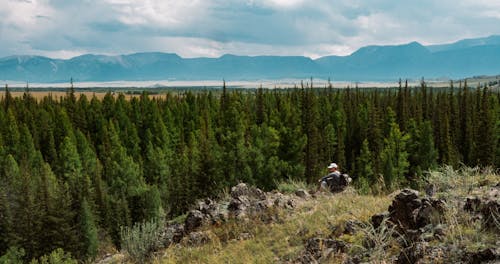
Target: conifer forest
column 75, row 170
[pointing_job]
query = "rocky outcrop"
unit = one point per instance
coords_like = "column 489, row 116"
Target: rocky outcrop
column 409, row 212
column 488, row 255
column 486, row 207
column 198, row 238
column 247, row 201
column 420, row 253
column 173, row 234
column 318, row 250
column 302, row 193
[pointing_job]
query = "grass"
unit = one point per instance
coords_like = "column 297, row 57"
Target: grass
column 39, row 95
column 324, row 216
column 291, row 186
column 281, row 240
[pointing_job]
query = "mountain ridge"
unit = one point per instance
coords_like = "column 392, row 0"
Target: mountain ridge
column 469, row 57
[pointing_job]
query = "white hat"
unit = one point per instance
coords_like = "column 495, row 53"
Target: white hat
column 332, row 165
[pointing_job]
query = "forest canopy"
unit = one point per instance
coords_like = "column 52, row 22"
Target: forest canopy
column 75, row 170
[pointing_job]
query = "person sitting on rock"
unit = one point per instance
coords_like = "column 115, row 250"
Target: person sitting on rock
column 333, row 175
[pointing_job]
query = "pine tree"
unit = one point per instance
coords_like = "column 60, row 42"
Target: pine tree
column 395, row 158
column 486, row 140
column 89, row 232
column 422, row 153
column 310, row 117
column 364, row 172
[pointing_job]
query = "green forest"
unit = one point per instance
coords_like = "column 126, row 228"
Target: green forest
column 75, row 170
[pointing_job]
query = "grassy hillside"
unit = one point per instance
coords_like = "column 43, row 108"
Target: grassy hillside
column 454, row 235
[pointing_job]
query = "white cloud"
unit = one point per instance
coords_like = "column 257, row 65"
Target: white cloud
column 211, row 28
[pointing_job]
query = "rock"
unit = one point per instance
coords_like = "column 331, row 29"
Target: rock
column 377, row 219
column 486, row 207
column 418, row 253
column 430, row 189
column 472, row 204
column 352, row 260
column 194, row 219
column 197, row 238
column 317, row 247
column 439, row 231
column 404, row 209
column 482, row 256
column 173, row 234
column 247, row 201
column 302, row 193
column 302, row 232
column 244, row 236
column 281, row 201
column 306, row 258
column 243, row 190
column 409, row 212
column 351, row 226
column 423, row 253
column 430, row 212
column 111, row 259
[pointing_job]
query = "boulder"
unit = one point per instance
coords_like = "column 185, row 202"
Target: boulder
column 377, row 219
column 420, row 253
column 430, row 212
column 244, row 236
column 281, row 201
column 487, row 207
column 244, row 190
column 483, row 256
column 324, row 247
column 194, row 219
column 247, row 201
column 404, row 209
column 302, row 193
column 213, row 212
column 408, row 212
column 173, row 234
column 197, row 238
column 352, row 226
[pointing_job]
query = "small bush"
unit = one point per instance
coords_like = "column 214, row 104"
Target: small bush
column 290, row 186
column 57, row 256
column 13, row 255
column 142, row 239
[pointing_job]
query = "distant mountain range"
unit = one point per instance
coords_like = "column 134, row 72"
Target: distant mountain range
column 469, row 57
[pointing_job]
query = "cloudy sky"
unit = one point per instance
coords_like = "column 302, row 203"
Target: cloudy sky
column 210, row 28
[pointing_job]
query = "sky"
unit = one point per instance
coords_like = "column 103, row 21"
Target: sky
column 211, row 28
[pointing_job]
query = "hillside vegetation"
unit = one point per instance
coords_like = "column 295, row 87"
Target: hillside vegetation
column 76, row 174
column 342, row 228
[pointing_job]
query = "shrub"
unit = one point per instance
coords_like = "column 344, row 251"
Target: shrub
column 290, row 186
column 57, row 256
column 142, row 239
column 13, row 255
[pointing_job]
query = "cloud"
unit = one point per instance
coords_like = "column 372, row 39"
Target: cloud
column 211, row 28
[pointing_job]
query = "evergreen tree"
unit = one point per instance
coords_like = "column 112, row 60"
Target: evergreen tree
column 486, row 139
column 364, row 172
column 88, row 226
column 395, row 158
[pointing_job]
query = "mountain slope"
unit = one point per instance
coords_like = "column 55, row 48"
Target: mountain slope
column 449, row 224
column 466, row 43
column 372, row 63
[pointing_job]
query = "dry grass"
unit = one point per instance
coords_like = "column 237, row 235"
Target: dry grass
column 58, row 94
column 283, row 239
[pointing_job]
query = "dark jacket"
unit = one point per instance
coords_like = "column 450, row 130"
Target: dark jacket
column 332, row 175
